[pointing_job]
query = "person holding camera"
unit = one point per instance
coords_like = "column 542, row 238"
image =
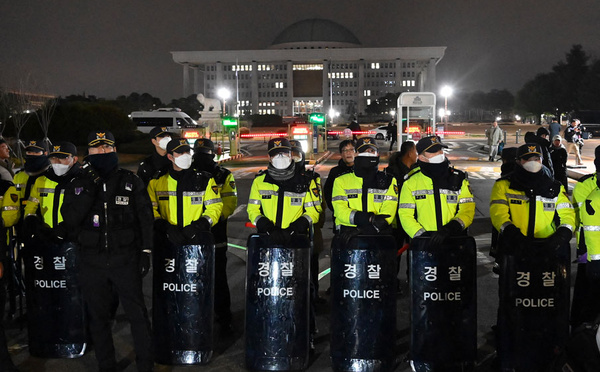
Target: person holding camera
column 574, row 140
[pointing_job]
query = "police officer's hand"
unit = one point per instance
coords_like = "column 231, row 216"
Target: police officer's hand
column 161, row 226
column 379, row 221
column 277, row 237
column 193, row 230
column 511, row 237
column 363, row 219
column 348, row 235
column 300, row 226
column 452, row 228
column 264, row 225
column 60, row 233
column 31, row 226
column 560, row 238
column 145, row 263
column 175, row 236
column 90, row 173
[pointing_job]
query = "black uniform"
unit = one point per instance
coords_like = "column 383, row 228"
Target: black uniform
column 111, row 219
column 153, row 167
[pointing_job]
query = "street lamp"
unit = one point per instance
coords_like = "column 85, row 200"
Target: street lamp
column 224, row 94
column 446, row 92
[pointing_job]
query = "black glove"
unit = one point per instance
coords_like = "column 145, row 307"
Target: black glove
column 202, row 224
column 300, row 226
column 348, row 235
column 175, row 236
column 511, row 237
column 452, row 228
column 161, row 226
column 145, row 263
column 561, row 237
column 277, row 237
column 379, row 223
column 363, row 219
column 60, row 233
column 31, row 226
column 264, row 225
column 90, row 173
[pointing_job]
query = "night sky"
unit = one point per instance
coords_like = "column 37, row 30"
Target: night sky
column 109, row 48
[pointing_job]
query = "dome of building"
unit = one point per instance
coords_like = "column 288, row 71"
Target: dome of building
column 315, row 34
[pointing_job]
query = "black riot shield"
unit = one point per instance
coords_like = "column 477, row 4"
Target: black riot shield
column 182, row 301
column 533, row 316
column 277, row 304
column 55, row 313
column 443, row 304
column 363, row 298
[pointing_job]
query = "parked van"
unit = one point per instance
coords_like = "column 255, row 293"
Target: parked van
column 173, row 118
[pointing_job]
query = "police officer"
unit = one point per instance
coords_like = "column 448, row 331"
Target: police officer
column 282, row 202
column 108, row 209
column 36, row 163
column 586, row 295
column 203, row 160
column 156, row 164
column 345, row 165
column 299, row 158
column 47, row 194
column 511, row 210
column 6, row 364
column 435, row 198
column 366, row 200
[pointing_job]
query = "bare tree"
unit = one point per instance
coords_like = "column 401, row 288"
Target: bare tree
column 44, row 116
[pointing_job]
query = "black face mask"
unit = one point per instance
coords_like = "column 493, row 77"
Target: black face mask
column 364, row 165
column 36, row 163
column 103, row 163
column 204, row 161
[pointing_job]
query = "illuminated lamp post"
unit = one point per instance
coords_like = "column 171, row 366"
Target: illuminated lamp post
column 446, row 92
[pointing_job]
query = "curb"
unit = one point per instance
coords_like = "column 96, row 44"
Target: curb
column 323, row 157
column 230, row 158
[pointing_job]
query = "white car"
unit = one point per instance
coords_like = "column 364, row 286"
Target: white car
column 380, row 133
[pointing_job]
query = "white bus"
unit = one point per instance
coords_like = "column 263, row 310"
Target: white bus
column 173, row 118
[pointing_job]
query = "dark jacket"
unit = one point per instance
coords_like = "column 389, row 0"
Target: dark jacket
column 559, row 162
column 111, row 217
column 334, row 173
column 153, row 167
column 531, row 137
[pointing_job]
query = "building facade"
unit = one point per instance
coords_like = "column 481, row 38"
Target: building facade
column 312, row 66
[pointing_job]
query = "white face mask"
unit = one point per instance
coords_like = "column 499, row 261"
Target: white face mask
column 281, row 161
column 532, row 166
column 61, row 169
column 437, row 159
column 297, row 159
column 162, row 143
column 183, row 161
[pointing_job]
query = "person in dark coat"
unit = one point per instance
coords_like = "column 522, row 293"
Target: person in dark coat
column 559, row 156
column 108, row 212
column 400, row 164
column 157, row 164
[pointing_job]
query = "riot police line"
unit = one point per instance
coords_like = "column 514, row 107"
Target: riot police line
column 433, row 208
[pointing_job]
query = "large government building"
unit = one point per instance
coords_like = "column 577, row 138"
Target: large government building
column 314, row 65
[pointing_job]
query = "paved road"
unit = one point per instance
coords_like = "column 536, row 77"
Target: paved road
column 467, row 154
